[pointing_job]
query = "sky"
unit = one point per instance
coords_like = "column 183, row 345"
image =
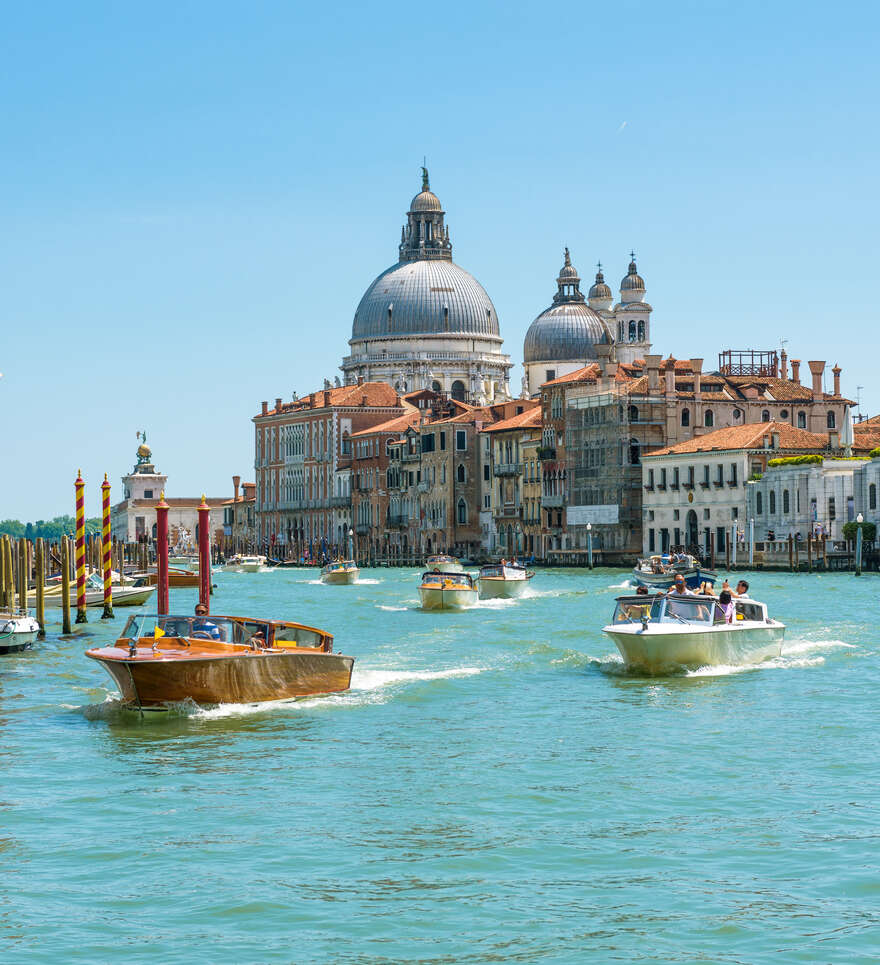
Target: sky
column 194, row 196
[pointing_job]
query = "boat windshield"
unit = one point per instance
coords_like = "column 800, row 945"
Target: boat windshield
column 492, row 571
column 692, row 609
column 633, row 609
column 224, row 629
column 437, row 578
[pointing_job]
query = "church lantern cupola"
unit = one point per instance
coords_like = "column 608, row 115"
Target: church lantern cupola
column 632, row 288
column 424, row 236
column 600, row 295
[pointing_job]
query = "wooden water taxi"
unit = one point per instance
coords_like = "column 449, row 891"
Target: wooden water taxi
column 447, row 591
column 667, row 632
column 448, row 564
column 340, row 572
column 503, row 580
column 161, row 660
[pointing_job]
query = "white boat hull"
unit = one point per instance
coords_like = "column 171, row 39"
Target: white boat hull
column 17, row 633
column 340, row 577
column 122, row 596
column 496, row 588
column 663, row 647
column 438, row 598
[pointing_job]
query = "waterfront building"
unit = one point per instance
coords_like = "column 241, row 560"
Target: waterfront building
column 239, row 518
column 303, row 461
column 426, row 323
column 404, row 476
column 133, row 519
column 695, row 492
column 866, row 486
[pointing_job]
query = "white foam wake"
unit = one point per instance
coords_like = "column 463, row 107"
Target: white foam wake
column 392, row 609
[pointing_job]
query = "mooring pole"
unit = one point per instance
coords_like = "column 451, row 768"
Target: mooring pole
column 40, row 583
column 65, row 584
column 80, row 550
column 22, row 575
column 859, row 521
column 106, row 550
column 162, row 554
column 205, row 553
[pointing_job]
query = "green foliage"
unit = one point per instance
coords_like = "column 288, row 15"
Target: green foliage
column 869, row 531
column 844, row 458
column 795, row 461
column 755, row 476
column 874, row 452
column 52, row 530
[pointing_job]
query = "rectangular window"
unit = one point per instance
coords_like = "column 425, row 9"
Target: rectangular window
column 460, row 440
column 719, row 538
column 706, row 513
column 487, row 499
column 651, row 541
column 733, row 479
column 650, row 479
column 428, row 442
column 662, row 479
column 675, row 478
column 677, row 534
column 705, row 477
column 676, row 514
column 551, row 375
column 442, row 441
column 486, row 472
column 832, row 514
column 651, row 515
column 148, row 494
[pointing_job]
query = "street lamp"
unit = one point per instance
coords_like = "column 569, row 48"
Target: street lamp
column 590, row 545
column 350, row 543
column 859, row 519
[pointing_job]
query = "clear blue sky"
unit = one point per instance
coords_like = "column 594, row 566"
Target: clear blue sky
column 195, row 195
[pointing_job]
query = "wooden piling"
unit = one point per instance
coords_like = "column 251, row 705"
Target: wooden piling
column 40, row 580
column 65, row 584
column 106, row 550
column 22, row 575
column 80, row 551
column 790, row 551
column 3, row 604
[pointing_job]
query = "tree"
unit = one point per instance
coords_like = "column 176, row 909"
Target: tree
column 869, row 531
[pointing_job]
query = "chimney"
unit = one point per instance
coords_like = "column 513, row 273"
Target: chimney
column 836, row 372
column 817, row 369
column 265, row 406
column 326, row 398
column 796, row 371
column 236, row 482
column 774, row 438
column 278, row 405
column 697, row 369
column 766, row 441
column 360, row 380
column 833, row 439
column 603, row 354
column 670, row 378
column 783, row 371
column 652, row 363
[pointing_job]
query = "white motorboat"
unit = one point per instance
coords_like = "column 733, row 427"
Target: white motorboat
column 503, row 580
column 340, row 572
column 446, row 564
column 656, row 634
column 447, row 591
column 122, row 595
column 18, row 631
column 244, row 564
column 659, row 572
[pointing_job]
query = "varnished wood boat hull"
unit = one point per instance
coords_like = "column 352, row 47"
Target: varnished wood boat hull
column 240, row 678
column 340, row 577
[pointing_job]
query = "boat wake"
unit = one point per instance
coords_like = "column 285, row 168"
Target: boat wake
column 367, row 582
column 499, row 603
column 392, row 609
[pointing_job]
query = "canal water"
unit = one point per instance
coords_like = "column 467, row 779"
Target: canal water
column 494, row 788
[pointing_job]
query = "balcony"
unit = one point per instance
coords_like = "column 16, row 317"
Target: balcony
column 554, row 502
column 508, row 468
column 661, row 487
column 410, row 456
column 674, row 486
column 398, row 520
column 688, row 485
column 338, row 502
column 546, row 453
column 719, row 483
column 424, row 487
column 732, row 483
column 511, row 511
column 363, row 529
column 704, row 485
column 649, row 487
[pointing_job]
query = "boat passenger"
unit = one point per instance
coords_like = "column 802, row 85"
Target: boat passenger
column 642, row 590
column 205, row 627
column 706, row 588
column 742, row 589
column 679, row 587
column 728, row 607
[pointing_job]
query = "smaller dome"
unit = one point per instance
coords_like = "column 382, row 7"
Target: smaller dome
column 600, row 289
column 633, row 281
column 425, row 201
column 568, row 270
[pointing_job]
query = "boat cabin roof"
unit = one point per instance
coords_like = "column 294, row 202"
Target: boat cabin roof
column 438, row 576
column 225, row 628
column 683, row 608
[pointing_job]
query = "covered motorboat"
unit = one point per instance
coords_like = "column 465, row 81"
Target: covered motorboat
column 503, row 580
column 123, row 595
column 659, row 572
column 244, row 564
column 667, row 632
column 340, row 572
column 447, row 591
column 445, row 564
column 161, row 660
column 18, row 631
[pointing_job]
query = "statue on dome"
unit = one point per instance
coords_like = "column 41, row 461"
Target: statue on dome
column 144, row 453
column 425, row 185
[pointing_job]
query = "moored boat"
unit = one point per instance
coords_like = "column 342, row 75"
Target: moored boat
column 124, row 595
column 161, row 660
column 447, row 591
column 668, row 632
column 659, row 572
column 340, row 572
column 18, row 631
column 446, row 564
column 503, row 580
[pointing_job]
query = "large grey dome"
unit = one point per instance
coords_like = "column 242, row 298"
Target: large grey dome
column 569, row 329
column 426, row 298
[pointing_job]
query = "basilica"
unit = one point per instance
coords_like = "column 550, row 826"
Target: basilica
column 426, row 323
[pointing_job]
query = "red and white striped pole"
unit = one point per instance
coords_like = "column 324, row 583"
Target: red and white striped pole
column 80, row 549
column 106, row 550
column 205, row 553
column 162, row 555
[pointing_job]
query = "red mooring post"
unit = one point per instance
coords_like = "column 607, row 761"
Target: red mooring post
column 162, row 555
column 205, row 553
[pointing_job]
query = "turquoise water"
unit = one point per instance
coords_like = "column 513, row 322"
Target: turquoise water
column 492, row 789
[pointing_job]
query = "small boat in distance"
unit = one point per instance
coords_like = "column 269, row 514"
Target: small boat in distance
column 503, row 580
column 447, row 591
column 662, row 633
column 244, row 564
column 659, row 572
column 161, row 660
column 18, row 631
column 448, row 564
column 340, row 572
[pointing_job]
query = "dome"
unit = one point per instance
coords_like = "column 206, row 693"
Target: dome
column 599, row 290
column 568, row 270
column 425, row 297
column 565, row 333
column 425, row 201
column 632, row 281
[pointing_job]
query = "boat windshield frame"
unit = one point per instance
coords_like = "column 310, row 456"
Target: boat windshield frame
column 440, row 577
column 233, row 630
column 688, row 609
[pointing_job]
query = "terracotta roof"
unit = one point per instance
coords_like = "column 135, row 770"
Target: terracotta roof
column 589, row 373
column 530, row 419
column 749, row 436
column 866, row 440
column 872, row 423
column 378, row 394
column 398, row 424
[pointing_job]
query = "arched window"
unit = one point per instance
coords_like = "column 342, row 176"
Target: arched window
column 783, row 414
column 462, row 512
column 458, row 390
column 632, row 330
column 633, row 413
column 872, row 496
column 759, row 504
column 709, row 418
column 460, row 473
column 685, row 417
column 830, row 419
column 765, row 415
column 641, row 330
column 772, row 498
column 802, row 420
column 786, row 502
column 634, row 452
column 737, row 414
column 435, row 386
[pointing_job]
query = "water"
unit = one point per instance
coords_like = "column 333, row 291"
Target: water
column 494, row 788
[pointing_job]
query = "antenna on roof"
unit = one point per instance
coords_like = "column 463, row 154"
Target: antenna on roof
column 859, row 398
